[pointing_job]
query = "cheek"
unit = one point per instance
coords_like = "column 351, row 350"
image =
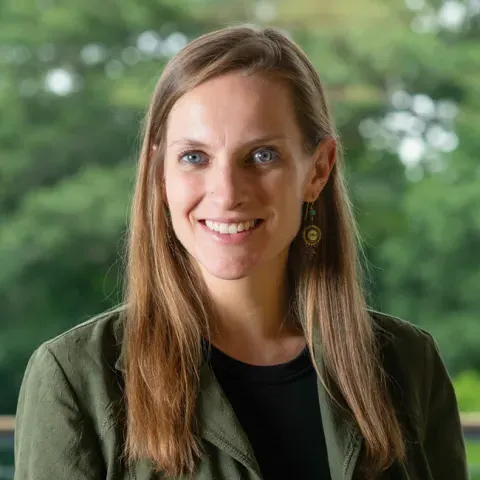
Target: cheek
column 292, row 201
column 292, row 214
column 289, row 191
column 182, row 191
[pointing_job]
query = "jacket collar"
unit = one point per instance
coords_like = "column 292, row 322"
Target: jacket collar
column 342, row 436
column 219, row 425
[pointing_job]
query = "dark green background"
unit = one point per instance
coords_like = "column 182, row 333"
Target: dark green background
column 75, row 79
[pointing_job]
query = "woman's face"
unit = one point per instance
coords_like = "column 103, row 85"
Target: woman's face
column 236, row 174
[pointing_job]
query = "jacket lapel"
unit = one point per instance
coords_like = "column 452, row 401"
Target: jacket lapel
column 217, row 422
column 219, row 425
column 342, row 437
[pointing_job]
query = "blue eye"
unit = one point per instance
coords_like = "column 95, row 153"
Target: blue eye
column 265, row 155
column 194, row 158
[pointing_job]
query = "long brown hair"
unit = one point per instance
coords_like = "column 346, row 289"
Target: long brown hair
column 168, row 305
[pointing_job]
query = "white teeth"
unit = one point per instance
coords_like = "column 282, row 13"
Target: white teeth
column 229, row 228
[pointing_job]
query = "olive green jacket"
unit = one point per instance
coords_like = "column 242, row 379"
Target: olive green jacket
column 70, row 425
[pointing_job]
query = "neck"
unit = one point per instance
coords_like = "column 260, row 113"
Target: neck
column 253, row 324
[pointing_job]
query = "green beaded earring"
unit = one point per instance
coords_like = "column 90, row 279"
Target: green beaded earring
column 311, row 233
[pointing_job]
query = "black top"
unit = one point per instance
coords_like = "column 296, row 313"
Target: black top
column 278, row 408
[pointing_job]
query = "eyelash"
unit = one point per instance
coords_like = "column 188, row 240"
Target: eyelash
column 190, row 151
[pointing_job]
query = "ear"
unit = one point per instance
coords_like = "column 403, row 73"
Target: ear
column 322, row 162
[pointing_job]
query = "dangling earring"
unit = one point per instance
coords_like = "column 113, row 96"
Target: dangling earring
column 311, row 232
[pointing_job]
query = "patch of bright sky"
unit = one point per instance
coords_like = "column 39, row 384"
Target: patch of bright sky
column 415, row 5
column 441, row 139
column 423, row 106
column 131, row 56
column 418, row 130
column 415, row 173
column 93, row 54
column 425, row 23
column 401, row 99
column 411, row 150
column 151, row 44
column 114, row 68
column 265, row 10
column 451, row 15
column 59, row 81
column 473, row 6
column 446, row 110
column 148, row 44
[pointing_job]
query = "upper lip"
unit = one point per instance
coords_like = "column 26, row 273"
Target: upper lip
column 229, row 220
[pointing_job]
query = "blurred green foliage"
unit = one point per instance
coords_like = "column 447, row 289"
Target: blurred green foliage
column 467, row 389
column 75, row 80
column 473, row 456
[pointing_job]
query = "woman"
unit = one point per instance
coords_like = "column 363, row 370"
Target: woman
column 245, row 349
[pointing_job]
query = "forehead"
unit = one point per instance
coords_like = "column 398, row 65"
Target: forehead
column 232, row 106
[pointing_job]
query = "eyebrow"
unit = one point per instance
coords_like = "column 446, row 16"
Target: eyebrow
column 191, row 142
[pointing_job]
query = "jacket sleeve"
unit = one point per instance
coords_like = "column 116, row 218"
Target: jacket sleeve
column 53, row 438
column 444, row 444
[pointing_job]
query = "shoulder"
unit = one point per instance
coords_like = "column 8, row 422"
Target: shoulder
column 395, row 333
column 411, row 360
column 406, row 349
column 422, row 392
column 79, row 366
column 69, row 401
column 97, row 340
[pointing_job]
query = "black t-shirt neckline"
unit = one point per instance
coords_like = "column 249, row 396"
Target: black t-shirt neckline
column 289, row 371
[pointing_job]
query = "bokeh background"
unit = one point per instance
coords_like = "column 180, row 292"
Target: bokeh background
column 403, row 78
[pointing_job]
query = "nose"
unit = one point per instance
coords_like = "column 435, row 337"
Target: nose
column 227, row 186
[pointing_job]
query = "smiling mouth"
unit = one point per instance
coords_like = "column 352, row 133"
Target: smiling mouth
column 232, row 228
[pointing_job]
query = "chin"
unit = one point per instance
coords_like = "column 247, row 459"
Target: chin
column 228, row 269
column 223, row 275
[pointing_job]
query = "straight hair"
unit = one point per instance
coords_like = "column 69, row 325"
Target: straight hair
column 168, row 306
